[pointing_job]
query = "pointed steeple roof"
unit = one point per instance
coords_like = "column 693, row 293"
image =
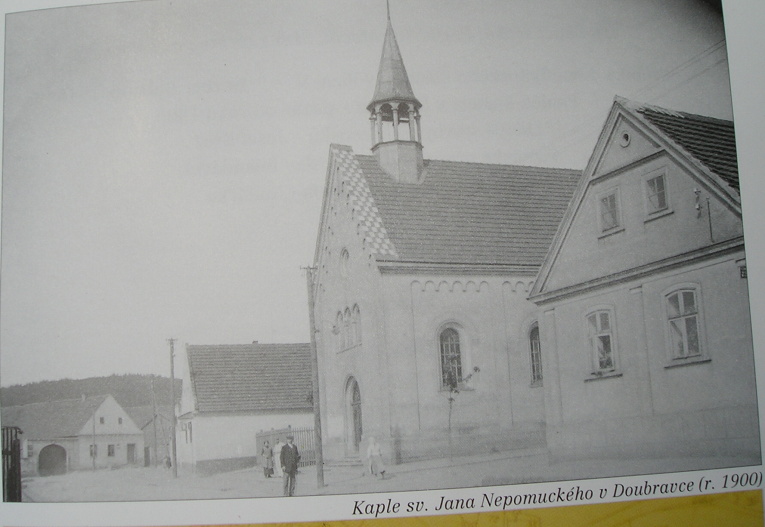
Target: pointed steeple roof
column 392, row 80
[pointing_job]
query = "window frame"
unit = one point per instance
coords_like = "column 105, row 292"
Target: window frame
column 344, row 263
column 651, row 212
column 619, row 224
column 337, row 330
column 355, row 325
column 673, row 358
column 535, row 355
column 464, row 362
column 460, row 356
column 596, row 371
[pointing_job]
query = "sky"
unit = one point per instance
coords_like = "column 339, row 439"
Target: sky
column 164, row 161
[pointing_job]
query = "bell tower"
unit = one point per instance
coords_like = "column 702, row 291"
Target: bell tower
column 395, row 116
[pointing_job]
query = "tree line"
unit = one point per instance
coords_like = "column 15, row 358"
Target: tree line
column 129, row 390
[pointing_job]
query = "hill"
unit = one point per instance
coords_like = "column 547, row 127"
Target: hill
column 129, row 390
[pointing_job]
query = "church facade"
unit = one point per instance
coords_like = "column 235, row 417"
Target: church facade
column 436, row 336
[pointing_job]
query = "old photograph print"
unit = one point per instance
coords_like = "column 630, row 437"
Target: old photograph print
column 475, row 244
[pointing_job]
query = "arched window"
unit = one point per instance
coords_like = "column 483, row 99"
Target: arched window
column 347, row 342
column 356, row 324
column 536, row 355
column 451, row 358
column 337, row 330
column 344, row 263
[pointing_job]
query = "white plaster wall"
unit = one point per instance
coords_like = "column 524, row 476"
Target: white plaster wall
column 493, row 316
column 651, row 402
column 587, row 255
column 103, row 460
column 233, row 436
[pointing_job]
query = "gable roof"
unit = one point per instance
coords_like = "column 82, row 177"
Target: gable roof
column 711, row 141
column 461, row 213
column 705, row 143
column 251, row 377
column 53, row 419
column 142, row 416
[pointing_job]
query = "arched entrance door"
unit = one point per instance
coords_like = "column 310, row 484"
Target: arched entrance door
column 353, row 411
column 52, row 461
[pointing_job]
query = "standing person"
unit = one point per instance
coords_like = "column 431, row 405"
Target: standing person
column 374, row 457
column 289, row 460
column 268, row 459
column 277, row 458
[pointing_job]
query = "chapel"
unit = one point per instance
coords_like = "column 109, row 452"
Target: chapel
column 423, row 272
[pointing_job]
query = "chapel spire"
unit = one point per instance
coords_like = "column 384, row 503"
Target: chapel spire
column 398, row 152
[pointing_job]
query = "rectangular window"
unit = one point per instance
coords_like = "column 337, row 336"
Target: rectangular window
column 30, row 450
column 601, row 341
column 93, row 450
column 683, row 319
column 110, row 450
column 119, row 420
column 609, row 212
column 101, row 420
column 656, row 194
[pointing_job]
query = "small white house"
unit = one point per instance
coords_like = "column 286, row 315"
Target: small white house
column 232, row 392
column 75, row 434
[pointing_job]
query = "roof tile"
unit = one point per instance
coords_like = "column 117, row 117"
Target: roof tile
column 471, row 213
column 711, row 141
column 251, row 377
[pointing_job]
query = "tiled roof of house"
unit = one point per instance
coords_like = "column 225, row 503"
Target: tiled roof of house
column 251, row 377
column 143, row 415
column 54, row 419
column 711, row 141
column 471, row 213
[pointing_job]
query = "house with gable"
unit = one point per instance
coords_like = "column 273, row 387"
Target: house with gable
column 423, row 268
column 232, row 392
column 644, row 308
column 75, row 434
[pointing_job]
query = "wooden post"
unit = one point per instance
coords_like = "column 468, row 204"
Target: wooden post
column 172, row 405
column 315, row 381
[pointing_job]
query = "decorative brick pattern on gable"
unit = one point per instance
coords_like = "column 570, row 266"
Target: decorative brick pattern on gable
column 376, row 237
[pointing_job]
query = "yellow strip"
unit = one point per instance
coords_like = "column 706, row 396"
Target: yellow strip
column 734, row 509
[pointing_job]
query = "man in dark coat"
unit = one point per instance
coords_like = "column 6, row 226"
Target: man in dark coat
column 289, row 459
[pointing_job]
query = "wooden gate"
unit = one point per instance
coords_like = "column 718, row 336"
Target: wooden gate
column 11, row 463
column 304, row 440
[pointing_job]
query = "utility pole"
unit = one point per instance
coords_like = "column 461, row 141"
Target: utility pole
column 154, row 422
column 172, row 403
column 95, row 450
column 315, row 381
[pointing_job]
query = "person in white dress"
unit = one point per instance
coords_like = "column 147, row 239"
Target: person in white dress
column 277, row 453
column 374, row 458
